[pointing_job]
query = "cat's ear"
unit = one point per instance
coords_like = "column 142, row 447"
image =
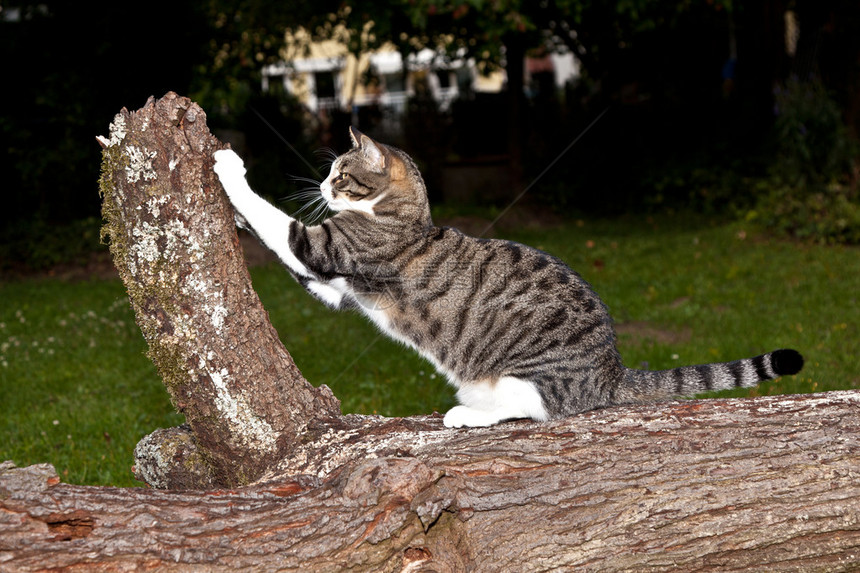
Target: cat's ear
column 355, row 136
column 371, row 151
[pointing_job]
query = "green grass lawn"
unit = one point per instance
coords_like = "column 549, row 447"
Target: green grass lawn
column 78, row 391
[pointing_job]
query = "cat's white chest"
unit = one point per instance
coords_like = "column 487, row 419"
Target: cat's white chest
column 330, row 292
column 378, row 314
column 336, row 291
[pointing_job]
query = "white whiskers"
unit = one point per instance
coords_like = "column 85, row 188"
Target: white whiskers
column 314, row 207
column 326, row 153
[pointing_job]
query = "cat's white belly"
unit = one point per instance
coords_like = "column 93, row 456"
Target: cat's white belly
column 379, row 316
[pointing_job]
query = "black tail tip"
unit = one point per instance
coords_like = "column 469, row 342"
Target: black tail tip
column 786, row 362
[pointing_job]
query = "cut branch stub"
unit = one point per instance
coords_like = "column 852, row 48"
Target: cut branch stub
column 173, row 240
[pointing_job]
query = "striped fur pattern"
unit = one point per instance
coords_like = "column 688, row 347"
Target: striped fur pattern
column 515, row 330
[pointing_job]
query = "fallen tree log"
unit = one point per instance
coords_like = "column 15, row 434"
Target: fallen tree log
column 764, row 484
column 268, row 476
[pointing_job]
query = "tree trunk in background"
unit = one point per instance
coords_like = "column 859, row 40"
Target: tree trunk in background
column 763, row 484
column 762, row 61
column 174, row 242
column 515, row 55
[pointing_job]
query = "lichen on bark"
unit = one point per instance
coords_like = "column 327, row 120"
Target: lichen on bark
column 172, row 235
column 134, row 246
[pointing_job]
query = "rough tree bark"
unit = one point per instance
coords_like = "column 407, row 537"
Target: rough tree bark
column 174, row 242
column 768, row 484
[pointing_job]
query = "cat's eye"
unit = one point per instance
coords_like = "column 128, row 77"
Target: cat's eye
column 341, row 177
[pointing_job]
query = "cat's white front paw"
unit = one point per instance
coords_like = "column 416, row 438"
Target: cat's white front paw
column 227, row 159
column 231, row 172
column 460, row 416
column 228, row 165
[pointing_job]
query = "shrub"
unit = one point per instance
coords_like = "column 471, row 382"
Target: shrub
column 814, row 143
column 825, row 214
column 810, row 194
column 36, row 244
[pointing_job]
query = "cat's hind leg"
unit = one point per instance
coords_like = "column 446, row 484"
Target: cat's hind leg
column 486, row 403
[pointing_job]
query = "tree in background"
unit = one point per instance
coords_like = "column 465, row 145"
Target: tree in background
column 691, row 86
column 67, row 69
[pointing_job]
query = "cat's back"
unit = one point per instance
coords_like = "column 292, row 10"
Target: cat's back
column 486, row 307
column 493, row 267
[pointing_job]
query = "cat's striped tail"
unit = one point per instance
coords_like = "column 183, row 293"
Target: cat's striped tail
column 650, row 385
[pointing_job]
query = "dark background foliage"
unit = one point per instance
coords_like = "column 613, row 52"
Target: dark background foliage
column 707, row 111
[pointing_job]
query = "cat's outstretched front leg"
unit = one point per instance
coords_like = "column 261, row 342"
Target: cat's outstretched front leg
column 271, row 225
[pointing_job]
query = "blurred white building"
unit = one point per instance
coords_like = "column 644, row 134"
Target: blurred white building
column 325, row 75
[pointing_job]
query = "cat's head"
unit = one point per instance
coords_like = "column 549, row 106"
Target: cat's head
column 376, row 179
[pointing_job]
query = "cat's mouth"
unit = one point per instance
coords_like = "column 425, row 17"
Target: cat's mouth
column 334, row 202
column 327, row 194
column 330, row 196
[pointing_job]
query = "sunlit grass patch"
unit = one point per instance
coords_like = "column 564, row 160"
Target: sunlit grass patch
column 77, row 389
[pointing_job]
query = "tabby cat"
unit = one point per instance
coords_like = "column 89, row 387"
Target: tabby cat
column 515, row 330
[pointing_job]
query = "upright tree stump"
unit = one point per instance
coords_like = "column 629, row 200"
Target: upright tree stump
column 174, row 242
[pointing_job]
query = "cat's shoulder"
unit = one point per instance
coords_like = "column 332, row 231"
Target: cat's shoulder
column 512, row 251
